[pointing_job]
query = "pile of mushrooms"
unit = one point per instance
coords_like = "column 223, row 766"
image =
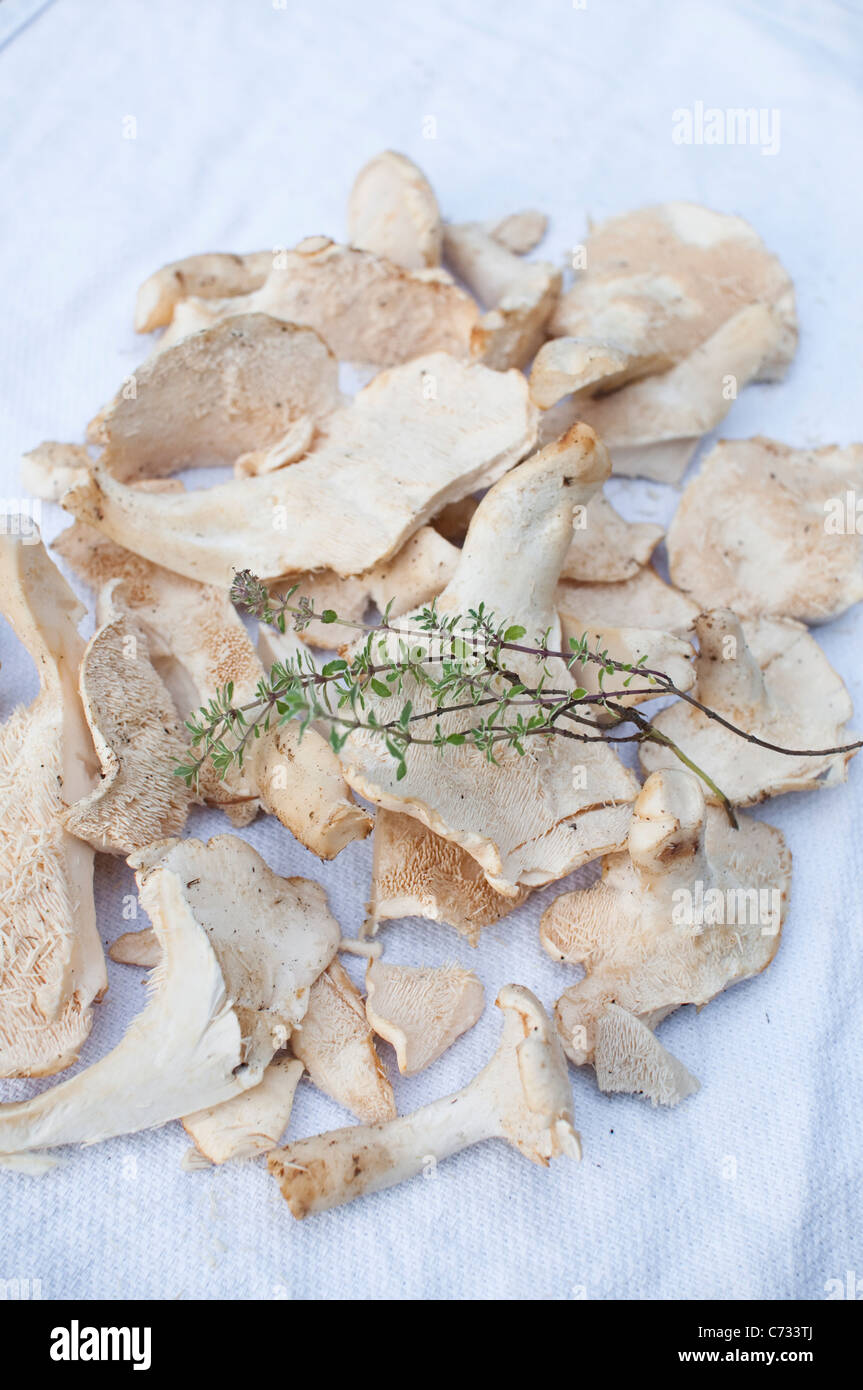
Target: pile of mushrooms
column 501, row 395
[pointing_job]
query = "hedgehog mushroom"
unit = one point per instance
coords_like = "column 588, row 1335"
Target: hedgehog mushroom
column 51, row 962
column 692, row 907
column 518, row 232
column 416, row 873
column 660, row 281
column 520, row 296
column 240, row 950
column 393, row 212
column 767, row 530
column 526, row 819
column 421, row 1010
column 522, row 1095
column 335, row 1045
column 771, row 679
column 138, row 737
column 210, row 275
column 643, row 600
column 251, row 1123
column 416, row 438
column 605, row 548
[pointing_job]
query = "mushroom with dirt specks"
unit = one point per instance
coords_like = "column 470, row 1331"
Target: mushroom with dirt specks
column 416, row 438
column 526, row 820
column 421, row 1010
column 336, row 1047
column 240, row 950
column 522, row 1095
column 692, row 907
column 51, row 962
column 768, row 677
column 51, row 469
column 210, row 275
column 605, row 547
column 763, row 529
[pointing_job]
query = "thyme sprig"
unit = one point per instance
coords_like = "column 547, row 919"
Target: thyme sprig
column 441, row 667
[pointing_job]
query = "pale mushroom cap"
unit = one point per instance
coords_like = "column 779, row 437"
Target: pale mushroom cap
column 211, row 275
column 421, row 1010
column 416, row 873
column 335, row 1045
column 138, row 737
column 51, row 962
column 136, row 948
column 770, row 678
column 692, row 907
column 604, row 547
column 251, row 1123
column 364, row 307
column 416, row 438
column 519, row 232
column 526, row 820
column 567, row 365
column 762, row 530
column 51, row 468
column 235, row 386
column 644, row 600
column 393, row 212
column 661, row 280
column 630, row 1058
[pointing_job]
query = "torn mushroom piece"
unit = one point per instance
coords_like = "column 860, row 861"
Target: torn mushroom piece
column 234, row 387
column 299, row 780
column 652, row 428
column 393, row 212
column 421, row 1011
column 660, row 281
column 136, row 948
column 692, row 907
column 522, row 1096
column 604, row 547
column 520, row 296
column 212, row 275
column 570, row 366
column 138, row 737
column 770, row 679
column 643, row 601
column 294, row 443
column 636, row 647
column 51, row 469
column 416, row 438
column 240, row 950
column 251, row 1123
column 630, row 1058
column 767, row 530
column 366, row 309
column 416, row 873
column 518, row 232
column 336, row 1047
column 530, row 819
column 51, row 962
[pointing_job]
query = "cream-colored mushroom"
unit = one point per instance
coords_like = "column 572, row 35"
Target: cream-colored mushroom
column 639, row 647
column 251, row 1123
column 526, row 820
column 336, row 1047
column 606, row 548
column 522, row 1095
column 566, row 366
column 234, row 387
column 660, row 281
column 240, row 949
column 652, row 427
column 518, row 232
column 198, row 643
column 420, row 1011
column 644, row 600
column 138, row 737
column 692, row 907
column 51, row 469
column 520, row 296
column 630, row 1058
column 211, row 275
column 51, row 962
column 769, row 530
column 136, row 948
column 393, row 212
column 365, row 308
column 416, row 873
column 768, row 677
column 416, row 438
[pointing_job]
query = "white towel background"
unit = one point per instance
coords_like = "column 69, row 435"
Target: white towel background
column 250, row 122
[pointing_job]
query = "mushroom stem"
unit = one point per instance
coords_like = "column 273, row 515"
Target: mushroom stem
column 729, row 677
column 522, row 1095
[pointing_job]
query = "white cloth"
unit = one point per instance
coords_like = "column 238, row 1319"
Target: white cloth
column 139, row 132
